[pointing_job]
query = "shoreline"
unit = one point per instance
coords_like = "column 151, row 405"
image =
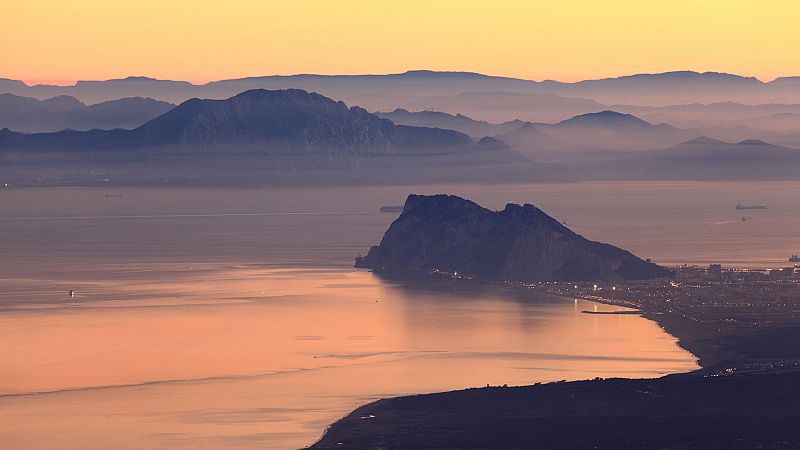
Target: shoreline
column 690, row 335
column 625, row 412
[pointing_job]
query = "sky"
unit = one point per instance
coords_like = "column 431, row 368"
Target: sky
column 58, row 42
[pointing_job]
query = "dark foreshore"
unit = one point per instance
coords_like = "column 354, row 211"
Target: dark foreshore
column 746, row 339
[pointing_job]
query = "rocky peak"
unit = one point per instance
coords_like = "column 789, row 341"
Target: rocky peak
column 447, row 233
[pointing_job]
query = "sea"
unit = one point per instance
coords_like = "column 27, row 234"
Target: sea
column 233, row 317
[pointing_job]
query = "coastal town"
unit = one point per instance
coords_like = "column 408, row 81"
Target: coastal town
column 701, row 292
column 741, row 316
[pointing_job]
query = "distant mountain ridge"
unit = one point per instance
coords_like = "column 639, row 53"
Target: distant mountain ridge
column 605, row 118
column 446, row 233
column 603, row 130
column 257, row 120
column 28, row 114
column 701, row 158
column 457, row 122
column 639, row 89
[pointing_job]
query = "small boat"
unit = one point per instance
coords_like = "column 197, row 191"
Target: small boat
column 391, row 209
column 741, row 206
column 71, row 293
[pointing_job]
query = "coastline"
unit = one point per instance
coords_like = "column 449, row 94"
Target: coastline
column 693, row 336
column 623, row 409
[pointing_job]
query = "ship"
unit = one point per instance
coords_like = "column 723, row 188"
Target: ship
column 740, row 206
column 392, row 209
column 794, row 258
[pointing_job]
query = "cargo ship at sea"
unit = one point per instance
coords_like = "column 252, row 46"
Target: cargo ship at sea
column 741, row 206
column 391, row 209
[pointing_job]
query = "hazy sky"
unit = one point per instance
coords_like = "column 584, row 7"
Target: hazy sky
column 62, row 41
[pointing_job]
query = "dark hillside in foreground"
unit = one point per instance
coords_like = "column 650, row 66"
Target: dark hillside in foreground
column 687, row 411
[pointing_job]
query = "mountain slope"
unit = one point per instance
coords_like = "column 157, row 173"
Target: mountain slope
column 289, row 119
column 520, row 243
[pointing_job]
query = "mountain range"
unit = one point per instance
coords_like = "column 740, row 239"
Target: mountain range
column 459, row 122
column 702, row 158
column 263, row 137
column 295, row 131
column 597, row 133
column 256, row 121
column 723, row 106
column 659, row 89
column 446, row 233
column 590, row 132
column 27, row 114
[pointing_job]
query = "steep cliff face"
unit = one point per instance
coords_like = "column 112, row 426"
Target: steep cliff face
column 520, row 243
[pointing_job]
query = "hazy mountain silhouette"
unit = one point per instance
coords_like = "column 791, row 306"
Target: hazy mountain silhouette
column 63, row 112
column 394, row 90
column 261, row 137
column 605, row 119
column 705, row 148
column 520, row 243
column 612, row 130
column 777, row 123
column 702, row 158
column 291, row 119
column 501, row 106
column 721, row 114
column 537, row 145
column 411, row 83
column 12, row 86
column 257, row 120
column 527, row 138
column 458, row 122
column 670, row 88
column 12, row 105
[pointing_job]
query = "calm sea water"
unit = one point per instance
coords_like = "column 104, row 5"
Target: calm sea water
column 210, row 318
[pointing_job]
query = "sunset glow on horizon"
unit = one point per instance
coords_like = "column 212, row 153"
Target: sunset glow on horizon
column 60, row 42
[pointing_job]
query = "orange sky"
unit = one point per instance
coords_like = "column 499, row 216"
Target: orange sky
column 62, row 41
